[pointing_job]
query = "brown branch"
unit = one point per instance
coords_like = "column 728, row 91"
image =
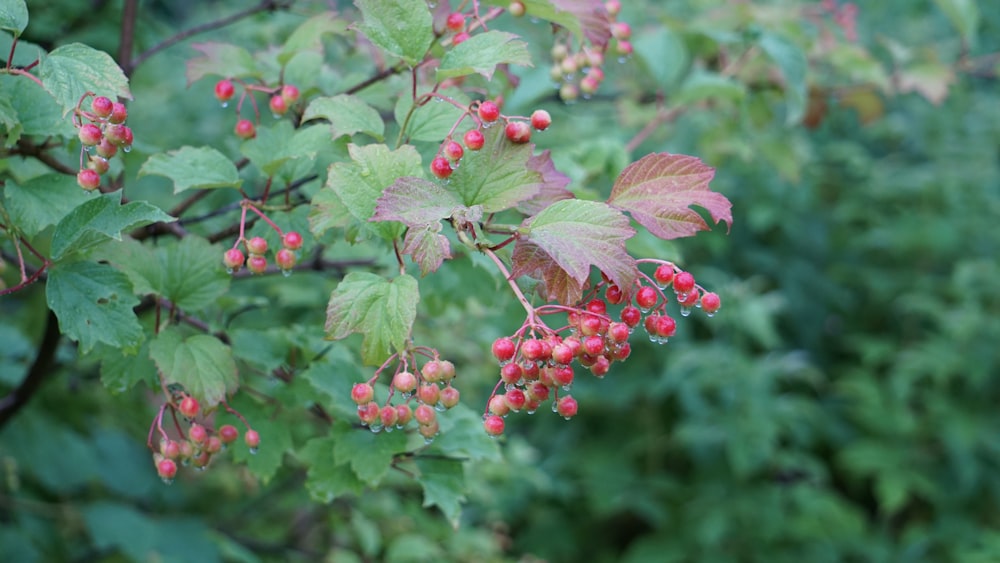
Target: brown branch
column 40, row 369
column 25, row 147
column 127, row 38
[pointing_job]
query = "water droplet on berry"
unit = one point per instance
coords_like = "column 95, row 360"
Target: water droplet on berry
column 440, row 407
column 567, row 417
column 535, row 20
column 428, row 440
column 531, row 411
column 645, row 309
column 623, row 60
column 186, row 462
column 685, row 311
column 710, row 315
column 432, row 5
column 225, row 105
column 127, row 148
column 406, row 396
column 555, row 408
column 389, row 429
column 376, row 428
column 253, row 451
column 166, row 481
column 286, row 273
column 229, row 271
column 488, row 125
column 439, row 100
column 682, row 297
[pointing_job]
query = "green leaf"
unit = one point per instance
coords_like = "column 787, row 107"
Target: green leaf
column 663, row 53
column 100, row 219
column 42, row 201
column 334, row 376
column 275, row 436
column 481, row 54
column 274, row 146
column 72, row 70
column 37, row 113
column 192, row 274
column 443, row 482
column 94, row 304
column 201, row 363
column 571, row 236
column 497, row 176
column 964, row 15
column 347, row 115
column 327, row 212
column 792, row 62
column 432, row 121
column 221, row 59
column 116, row 527
column 382, row 310
column 10, row 122
column 462, row 436
column 402, row 28
column 369, row 454
column 415, row 202
column 658, row 191
column 583, row 18
column 13, row 16
column 701, row 85
column 121, row 372
column 325, row 479
column 309, row 35
column 373, row 168
column 193, row 167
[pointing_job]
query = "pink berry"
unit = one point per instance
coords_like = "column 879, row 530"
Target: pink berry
column 289, row 93
column 503, row 349
column 566, row 406
column 683, row 282
column 710, row 302
column 425, row 415
column 515, row 399
column 429, row 431
column 440, row 167
column 170, row 449
column 541, row 119
column 252, row 439
column 449, row 397
column 429, row 394
column 562, row 354
column 257, row 264
column 646, row 297
column 369, row 413
column 233, row 259
column 601, row 366
column 388, row 415
column 614, row 7
column 453, row 151
column 474, row 139
column 538, row 391
column 167, row 469
column 518, row 132
column 498, row 405
column 292, row 240
column 197, row 434
column 118, row 113
column 228, row 434
column 403, row 414
column 362, row 393
column 432, row 371
column 447, row 370
column 119, row 135
column 285, row 259
column 106, row 148
column 189, row 407
column 455, row 21
column 622, row 352
column 597, row 306
column 224, row 90
column 404, row 382
column 245, row 129
column 618, row 332
column 90, row 134
column 88, row 179
column 278, row 105
column 98, row 164
column 624, row 48
column 493, row 425
column 257, row 245
column 590, row 325
column 489, row 112
column 101, row 106
column 621, row 30
column 213, row 444
column 460, row 38
column 516, row 8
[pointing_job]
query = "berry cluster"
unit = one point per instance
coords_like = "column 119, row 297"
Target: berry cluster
column 103, row 134
column 280, row 100
column 536, row 362
column 429, row 386
column 580, row 72
column 487, row 113
column 199, row 444
column 285, row 257
column 845, row 16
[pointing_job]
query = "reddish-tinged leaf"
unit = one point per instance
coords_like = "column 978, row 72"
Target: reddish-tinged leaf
column 553, row 186
column 415, row 202
column 575, row 235
column 559, row 286
column 496, row 176
column 427, row 246
column 659, row 189
column 593, row 18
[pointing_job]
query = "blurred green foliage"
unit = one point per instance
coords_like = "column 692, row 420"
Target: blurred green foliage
column 840, row 407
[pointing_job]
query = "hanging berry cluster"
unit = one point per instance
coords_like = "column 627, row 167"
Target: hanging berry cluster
column 103, row 133
column 280, row 100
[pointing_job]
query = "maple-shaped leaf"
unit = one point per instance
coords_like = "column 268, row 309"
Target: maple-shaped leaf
column 658, row 191
column 594, row 20
column 427, row 246
column 573, row 235
column 382, row 310
column 496, row 176
column 553, row 187
column 415, row 202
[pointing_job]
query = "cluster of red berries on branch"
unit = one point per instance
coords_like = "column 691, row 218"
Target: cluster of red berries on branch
column 256, row 260
column 537, row 362
column 102, row 131
column 280, row 100
column 486, row 114
column 580, row 71
column 428, row 386
column 197, row 445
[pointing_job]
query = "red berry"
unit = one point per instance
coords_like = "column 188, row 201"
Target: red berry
column 224, row 90
column 388, row 415
column 489, row 112
column 498, row 405
column 292, row 240
column 532, row 350
column 197, row 434
column 362, row 393
column 98, row 164
column 566, row 406
column 106, row 148
column 621, row 30
column 440, row 167
column 503, row 349
column 590, row 325
column 403, row 414
column 252, row 439
column 189, row 407
column 257, row 245
column 455, row 21
column 474, row 139
column 118, row 113
column 285, row 259
column 102, row 106
column 618, row 332
column 511, row 373
column 493, row 425
column 167, row 469
column 613, row 7
column 90, row 134
column 690, row 299
column 278, row 105
column 710, row 302
column 449, row 397
column 245, row 129
column 187, row 449
column 213, row 444
column 368, row 413
column 432, row 371
column 257, row 264
column 574, row 344
column 541, row 119
column 683, row 282
column 119, row 135
column 621, row 352
column 646, row 297
column 518, row 132
column 453, row 151
column 515, row 399
column 613, row 294
column 289, row 93
column 429, row 394
column 597, row 306
column 425, row 415
column 664, row 274
column 530, row 371
column 516, row 8
column 593, row 345
column 665, row 326
column 631, row 316
column 88, row 179
column 600, row 367
column 624, row 48
column 460, row 38
column 404, row 382
column 538, row 391
column 228, row 434
column 562, row 354
column 170, row 449
column 562, row 376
